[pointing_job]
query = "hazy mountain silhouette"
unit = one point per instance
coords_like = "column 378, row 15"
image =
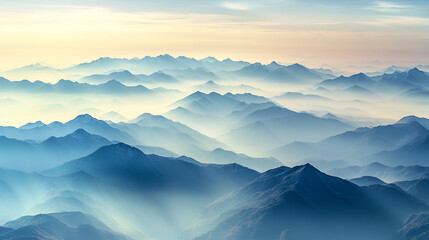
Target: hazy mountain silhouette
column 388, row 70
column 59, row 226
column 156, row 130
column 354, row 145
column 153, row 64
column 300, row 96
column 419, row 188
column 383, row 172
column 408, row 119
column 221, row 156
column 414, row 153
column 204, row 112
column 295, row 74
column 157, row 151
column 366, row 181
column 359, row 79
column 273, row 126
column 126, row 77
column 70, row 87
column 124, row 165
column 396, row 81
column 57, row 129
column 191, row 74
column 212, row 86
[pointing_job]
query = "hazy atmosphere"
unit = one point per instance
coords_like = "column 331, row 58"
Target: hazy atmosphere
column 214, row 120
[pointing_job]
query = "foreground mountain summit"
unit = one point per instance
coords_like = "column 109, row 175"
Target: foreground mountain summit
column 304, row 203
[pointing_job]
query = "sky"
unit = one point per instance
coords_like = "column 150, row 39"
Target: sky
column 347, row 34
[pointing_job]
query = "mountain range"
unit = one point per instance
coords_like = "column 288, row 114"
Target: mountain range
column 274, row 126
column 63, row 225
column 251, row 123
column 279, row 203
column 145, row 65
column 70, row 87
column 41, row 131
column 388, row 82
column 275, row 72
column 383, row 172
column 31, row 156
column 295, row 203
column 184, row 148
column 353, row 146
column 126, row 77
column 128, row 166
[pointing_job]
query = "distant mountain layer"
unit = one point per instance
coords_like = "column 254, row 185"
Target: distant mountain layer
column 387, row 82
column 383, row 172
column 221, row 156
column 165, row 68
column 353, row 146
column 70, row 87
column 156, row 130
column 64, row 225
column 203, row 112
column 251, row 123
column 274, row 126
column 30, row 156
column 40, row 131
column 153, row 64
column 126, row 77
column 295, row 74
column 408, row 119
column 147, row 65
column 300, row 96
column 366, row 181
column 413, row 153
column 212, row 86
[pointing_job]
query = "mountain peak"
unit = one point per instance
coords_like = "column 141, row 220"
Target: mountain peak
column 165, row 56
column 118, row 150
column 417, row 72
column 209, row 59
column 64, row 81
column 84, row 118
column 408, row 119
column 33, row 125
column 196, row 95
column 114, row 82
column 79, row 133
column 210, row 83
column 125, row 72
column 360, row 75
column 297, row 65
column 306, row 169
column 330, row 115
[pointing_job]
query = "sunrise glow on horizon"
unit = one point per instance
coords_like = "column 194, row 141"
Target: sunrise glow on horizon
column 368, row 34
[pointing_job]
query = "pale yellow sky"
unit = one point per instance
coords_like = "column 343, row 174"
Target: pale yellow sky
column 66, row 35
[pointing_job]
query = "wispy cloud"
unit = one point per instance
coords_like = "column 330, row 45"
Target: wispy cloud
column 388, row 7
column 399, row 20
column 240, row 6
